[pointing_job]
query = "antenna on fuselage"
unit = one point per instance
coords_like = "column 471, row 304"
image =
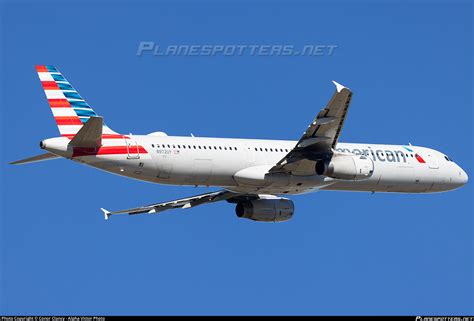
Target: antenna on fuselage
column 192, row 135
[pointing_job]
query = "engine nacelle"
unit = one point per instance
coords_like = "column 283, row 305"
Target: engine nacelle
column 351, row 167
column 266, row 210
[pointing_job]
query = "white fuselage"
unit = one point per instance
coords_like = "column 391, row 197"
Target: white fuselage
column 241, row 165
column 253, row 173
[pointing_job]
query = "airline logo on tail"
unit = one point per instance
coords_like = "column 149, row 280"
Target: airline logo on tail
column 69, row 109
column 77, row 121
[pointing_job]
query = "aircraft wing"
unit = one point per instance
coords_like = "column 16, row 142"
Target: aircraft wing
column 180, row 203
column 321, row 136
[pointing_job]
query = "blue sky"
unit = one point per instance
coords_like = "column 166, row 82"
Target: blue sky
column 410, row 68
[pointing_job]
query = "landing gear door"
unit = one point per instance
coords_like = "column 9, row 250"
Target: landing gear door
column 133, row 151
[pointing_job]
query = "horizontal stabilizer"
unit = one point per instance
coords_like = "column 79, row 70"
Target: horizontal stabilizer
column 90, row 135
column 34, row 159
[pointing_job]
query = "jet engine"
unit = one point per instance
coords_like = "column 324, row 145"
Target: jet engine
column 350, row 167
column 266, row 210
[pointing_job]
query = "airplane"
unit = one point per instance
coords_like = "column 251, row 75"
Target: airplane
column 254, row 174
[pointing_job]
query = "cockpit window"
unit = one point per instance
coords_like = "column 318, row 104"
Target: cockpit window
column 447, row 158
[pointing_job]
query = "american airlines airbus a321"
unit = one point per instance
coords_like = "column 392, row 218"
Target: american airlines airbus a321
column 254, row 174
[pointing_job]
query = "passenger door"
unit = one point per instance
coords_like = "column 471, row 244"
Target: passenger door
column 432, row 161
column 133, row 150
column 202, row 169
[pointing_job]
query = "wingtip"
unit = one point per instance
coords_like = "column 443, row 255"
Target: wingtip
column 106, row 213
column 339, row 87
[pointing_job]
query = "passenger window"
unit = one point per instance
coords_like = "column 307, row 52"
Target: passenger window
column 153, row 145
column 199, row 147
column 179, row 146
column 169, row 146
column 266, row 149
column 215, row 147
column 220, row 147
column 261, row 149
column 189, row 146
column 225, row 148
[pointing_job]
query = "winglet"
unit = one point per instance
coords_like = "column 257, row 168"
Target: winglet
column 106, row 213
column 339, row 87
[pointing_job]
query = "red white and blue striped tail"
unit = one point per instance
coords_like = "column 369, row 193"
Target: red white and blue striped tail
column 69, row 109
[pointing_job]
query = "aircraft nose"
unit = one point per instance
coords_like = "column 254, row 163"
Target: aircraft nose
column 461, row 177
column 464, row 177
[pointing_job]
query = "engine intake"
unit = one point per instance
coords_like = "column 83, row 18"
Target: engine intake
column 348, row 167
column 266, row 210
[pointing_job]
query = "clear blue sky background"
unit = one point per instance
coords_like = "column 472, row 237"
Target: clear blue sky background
column 410, row 67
